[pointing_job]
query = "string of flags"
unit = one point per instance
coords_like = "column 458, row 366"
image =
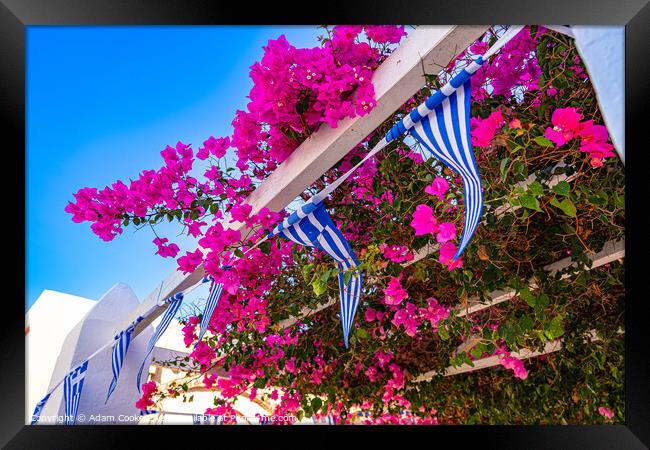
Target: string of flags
column 441, row 124
column 122, row 342
column 174, row 303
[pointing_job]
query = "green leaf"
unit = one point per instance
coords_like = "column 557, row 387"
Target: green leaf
column 541, row 140
column 443, row 333
column 477, row 352
column 543, row 300
column 565, row 205
column 362, row 334
column 265, row 247
column 319, row 287
column 525, row 323
column 555, row 328
column 325, row 276
column 536, row 188
column 238, row 253
column 306, row 272
column 519, row 170
column 562, row 188
column 526, row 296
column 529, row 201
column 619, row 200
column 503, row 168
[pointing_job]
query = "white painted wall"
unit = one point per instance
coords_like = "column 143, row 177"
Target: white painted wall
column 96, row 328
column 47, row 323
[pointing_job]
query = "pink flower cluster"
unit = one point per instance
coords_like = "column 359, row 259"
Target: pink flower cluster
column 438, row 188
column 514, row 364
column 513, row 68
column 424, row 223
column 297, row 89
column 483, row 130
column 169, row 187
column 567, row 126
column 394, row 292
column 606, row 412
column 148, row 390
column 396, row 253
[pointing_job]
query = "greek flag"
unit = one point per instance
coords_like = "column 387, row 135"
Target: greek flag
column 175, row 302
column 210, row 305
column 441, row 125
column 312, row 226
column 121, row 346
column 39, row 408
column 72, row 385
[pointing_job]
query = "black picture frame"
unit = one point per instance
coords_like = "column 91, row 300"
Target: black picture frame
column 15, row 15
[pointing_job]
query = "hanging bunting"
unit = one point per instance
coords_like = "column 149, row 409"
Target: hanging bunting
column 39, row 407
column 210, row 305
column 122, row 342
column 175, row 302
column 442, row 125
column 312, row 226
column 72, row 385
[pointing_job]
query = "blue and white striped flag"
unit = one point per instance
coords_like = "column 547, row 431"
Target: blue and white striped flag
column 39, row 407
column 72, row 385
column 441, row 124
column 312, row 226
column 175, row 302
column 210, row 305
column 121, row 346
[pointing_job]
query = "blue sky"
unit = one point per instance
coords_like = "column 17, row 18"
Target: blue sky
column 102, row 102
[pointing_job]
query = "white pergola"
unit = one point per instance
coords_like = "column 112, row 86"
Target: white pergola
column 426, row 51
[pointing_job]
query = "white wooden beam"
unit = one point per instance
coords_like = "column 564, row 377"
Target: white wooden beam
column 612, row 250
column 428, row 49
column 491, row 361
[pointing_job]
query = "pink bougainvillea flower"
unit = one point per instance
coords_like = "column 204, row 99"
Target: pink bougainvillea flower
column 515, row 124
column 190, row 261
column 423, row 221
column 165, row 251
column 385, row 34
column 482, row 131
column 446, row 232
column 566, row 124
column 447, row 252
column 594, row 140
column 408, row 318
column 203, row 353
column 194, row 228
column 396, row 253
column 606, row 412
column 596, row 163
column 394, row 292
column 438, row 188
column 209, row 380
column 514, row 364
